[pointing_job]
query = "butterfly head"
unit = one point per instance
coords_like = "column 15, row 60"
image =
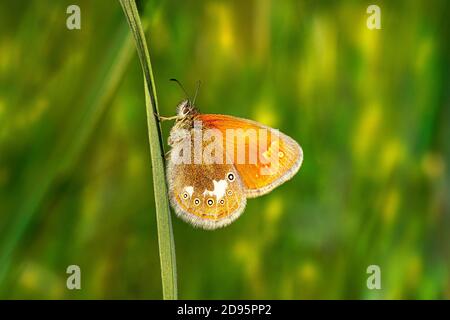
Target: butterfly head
column 186, row 110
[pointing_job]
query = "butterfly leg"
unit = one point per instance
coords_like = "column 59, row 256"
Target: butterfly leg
column 161, row 118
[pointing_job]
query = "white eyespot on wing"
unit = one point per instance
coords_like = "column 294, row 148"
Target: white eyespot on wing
column 210, row 202
column 230, row 176
column 189, row 190
column 220, row 188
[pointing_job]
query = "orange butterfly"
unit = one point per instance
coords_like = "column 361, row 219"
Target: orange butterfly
column 216, row 162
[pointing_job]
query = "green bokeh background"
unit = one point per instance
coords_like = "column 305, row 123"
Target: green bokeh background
column 369, row 107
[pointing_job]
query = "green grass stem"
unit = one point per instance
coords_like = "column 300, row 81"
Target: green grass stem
column 163, row 218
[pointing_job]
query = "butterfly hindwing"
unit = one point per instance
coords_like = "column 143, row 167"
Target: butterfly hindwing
column 209, row 196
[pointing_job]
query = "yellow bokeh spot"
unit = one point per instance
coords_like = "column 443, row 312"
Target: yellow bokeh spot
column 414, row 270
column 56, row 290
column 38, row 109
column 2, row 108
column 224, row 33
column 264, row 114
column 324, row 49
column 393, row 154
column 424, row 53
column 433, row 165
column 37, row 278
column 249, row 255
column 369, row 41
column 391, row 204
column 159, row 27
column 89, row 211
column 90, row 203
column 274, row 210
column 367, row 130
column 30, row 278
column 241, row 249
column 9, row 53
column 308, row 272
column 102, row 267
column 135, row 164
column 317, row 66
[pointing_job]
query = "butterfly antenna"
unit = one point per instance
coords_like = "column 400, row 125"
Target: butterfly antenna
column 199, row 83
column 182, row 88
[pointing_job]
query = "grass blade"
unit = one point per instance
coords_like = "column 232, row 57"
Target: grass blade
column 164, row 223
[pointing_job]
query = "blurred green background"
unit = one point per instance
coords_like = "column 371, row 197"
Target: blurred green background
column 370, row 109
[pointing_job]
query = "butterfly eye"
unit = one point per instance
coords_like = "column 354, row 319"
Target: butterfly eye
column 196, row 201
column 210, row 202
column 185, row 195
column 186, row 109
column 230, row 176
column 229, row 193
column 222, row 201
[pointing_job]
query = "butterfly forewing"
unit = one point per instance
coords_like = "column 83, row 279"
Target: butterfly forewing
column 258, row 176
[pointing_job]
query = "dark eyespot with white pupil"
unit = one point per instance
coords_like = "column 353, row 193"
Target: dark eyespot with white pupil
column 185, row 195
column 210, row 202
column 222, row 201
column 230, row 176
column 196, row 201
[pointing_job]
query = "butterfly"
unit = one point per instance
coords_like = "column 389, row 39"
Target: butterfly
column 210, row 179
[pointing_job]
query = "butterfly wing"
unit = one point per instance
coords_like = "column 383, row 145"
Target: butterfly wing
column 258, row 177
column 209, row 196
